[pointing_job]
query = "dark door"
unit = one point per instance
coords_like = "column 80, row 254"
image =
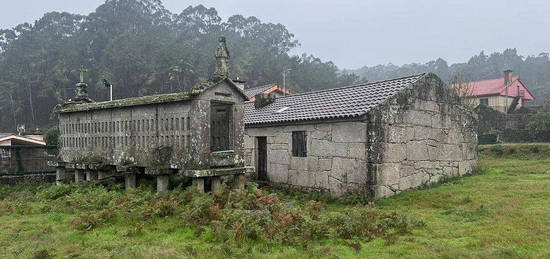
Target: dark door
column 262, row 158
column 219, row 127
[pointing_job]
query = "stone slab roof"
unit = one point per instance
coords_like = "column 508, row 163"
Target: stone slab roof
column 338, row 103
column 190, row 94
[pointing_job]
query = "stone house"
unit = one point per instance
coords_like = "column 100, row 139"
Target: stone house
column 197, row 133
column 377, row 138
column 503, row 94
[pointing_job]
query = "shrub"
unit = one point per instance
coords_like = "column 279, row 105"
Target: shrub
column 91, row 220
column 52, row 136
column 160, row 207
column 54, row 192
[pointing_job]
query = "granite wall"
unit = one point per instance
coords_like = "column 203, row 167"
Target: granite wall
column 336, row 159
column 28, row 178
column 420, row 137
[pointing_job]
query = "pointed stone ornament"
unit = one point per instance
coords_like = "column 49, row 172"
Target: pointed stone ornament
column 222, row 59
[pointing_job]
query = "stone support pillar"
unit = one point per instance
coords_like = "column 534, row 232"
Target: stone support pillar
column 198, row 183
column 130, row 180
column 163, row 181
column 240, row 181
column 91, row 175
column 216, row 184
column 79, row 176
column 60, row 175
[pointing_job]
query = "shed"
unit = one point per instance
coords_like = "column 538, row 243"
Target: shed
column 377, row 139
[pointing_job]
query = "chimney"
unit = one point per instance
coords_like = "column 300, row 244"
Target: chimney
column 263, row 100
column 240, row 83
column 507, row 77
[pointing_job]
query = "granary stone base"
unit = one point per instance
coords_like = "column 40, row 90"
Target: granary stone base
column 91, row 175
column 79, row 176
column 60, row 175
column 163, row 182
column 130, row 180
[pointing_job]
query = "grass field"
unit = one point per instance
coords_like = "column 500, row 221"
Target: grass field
column 501, row 212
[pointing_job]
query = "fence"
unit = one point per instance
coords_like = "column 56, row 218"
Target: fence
column 23, row 160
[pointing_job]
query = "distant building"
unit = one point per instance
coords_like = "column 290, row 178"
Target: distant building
column 273, row 89
column 503, row 94
column 23, row 154
column 14, row 140
column 377, row 138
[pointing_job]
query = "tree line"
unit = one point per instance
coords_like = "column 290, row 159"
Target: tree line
column 533, row 70
column 142, row 48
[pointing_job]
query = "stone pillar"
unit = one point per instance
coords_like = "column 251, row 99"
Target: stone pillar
column 60, row 175
column 163, row 181
column 130, row 180
column 79, row 176
column 240, row 181
column 91, row 175
column 198, row 183
column 216, row 184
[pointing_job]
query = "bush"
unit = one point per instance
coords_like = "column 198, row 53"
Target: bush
column 522, row 151
column 52, row 137
column 539, row 124
column 91, row 220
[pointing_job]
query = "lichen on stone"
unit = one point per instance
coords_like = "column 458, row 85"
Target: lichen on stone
column 196, row 90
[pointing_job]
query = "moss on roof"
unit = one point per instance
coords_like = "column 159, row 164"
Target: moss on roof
column 144, row 100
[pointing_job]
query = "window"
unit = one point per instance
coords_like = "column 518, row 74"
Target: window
column 484, row 101
column 299, row 144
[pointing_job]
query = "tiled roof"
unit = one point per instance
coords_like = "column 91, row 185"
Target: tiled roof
column 497, row 87
column 253, row 91
column 338, row 103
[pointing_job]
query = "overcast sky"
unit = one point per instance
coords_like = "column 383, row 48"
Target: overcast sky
column 353, row 33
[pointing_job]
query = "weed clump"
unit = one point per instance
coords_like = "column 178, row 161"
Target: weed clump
column 89, row 221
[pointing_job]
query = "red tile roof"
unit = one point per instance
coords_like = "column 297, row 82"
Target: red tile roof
column 267, row 89
column 497, row 87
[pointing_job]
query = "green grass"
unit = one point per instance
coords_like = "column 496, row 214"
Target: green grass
column 502, row 212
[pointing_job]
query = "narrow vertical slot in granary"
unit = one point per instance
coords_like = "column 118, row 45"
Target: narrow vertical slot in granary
column 220, row 126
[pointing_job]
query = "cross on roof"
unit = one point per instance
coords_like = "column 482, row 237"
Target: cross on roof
column 82, row 71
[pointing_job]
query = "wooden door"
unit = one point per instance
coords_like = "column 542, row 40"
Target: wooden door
column 262, row 158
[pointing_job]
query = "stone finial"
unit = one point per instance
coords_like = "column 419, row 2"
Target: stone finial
column 81, row 92
column 222, row 59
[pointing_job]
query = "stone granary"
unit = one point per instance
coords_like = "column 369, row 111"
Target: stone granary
column 377, row 139
column 197, row 134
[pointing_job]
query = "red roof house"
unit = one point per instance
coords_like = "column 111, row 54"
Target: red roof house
column 266, row 89
column 503, row 94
